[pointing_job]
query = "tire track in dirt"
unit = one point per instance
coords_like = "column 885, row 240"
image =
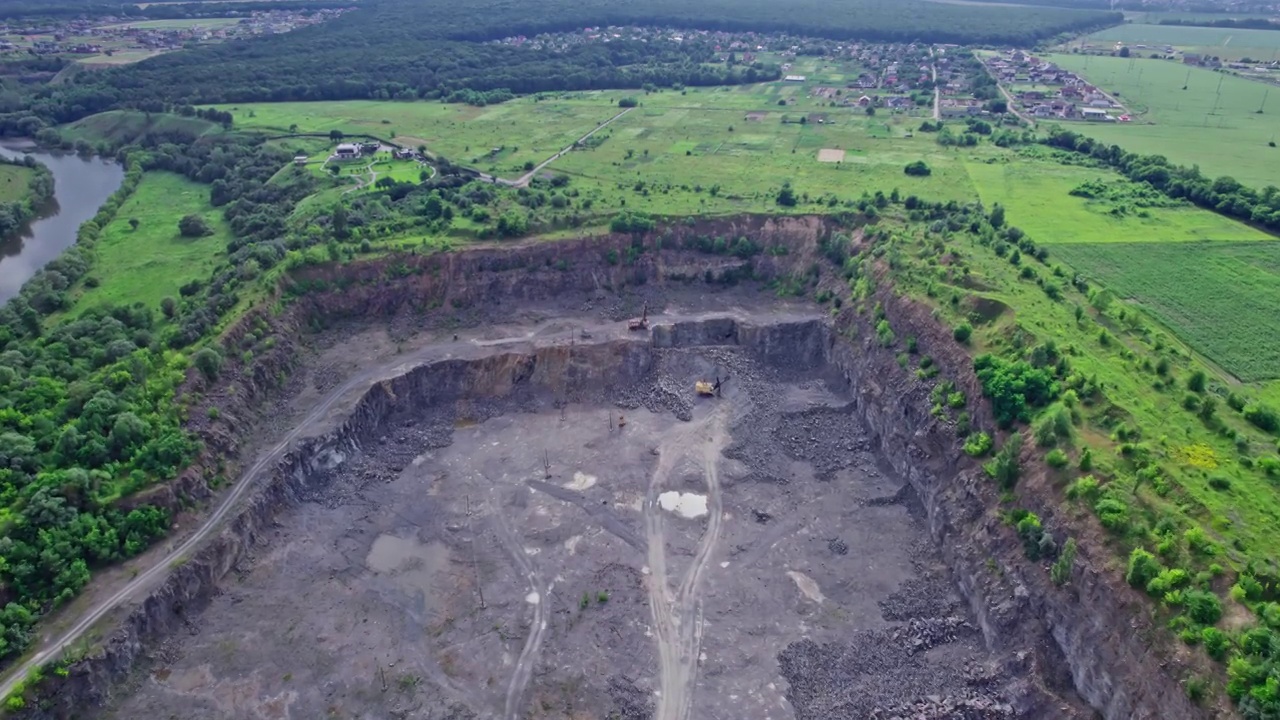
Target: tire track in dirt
column 677, row 617
column 523, row 670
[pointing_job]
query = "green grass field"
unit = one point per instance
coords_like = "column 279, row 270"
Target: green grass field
column 14, row 180
column 1221, row 298
column 1223, row 135
column 1228, row 44
column 152, row 262
column 1036, row 198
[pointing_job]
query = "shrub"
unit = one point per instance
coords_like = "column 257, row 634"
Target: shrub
column 1014, row 387
column 1086, row 488
column 1167, row 580
column 1199, row 542
column 1196, row 381
column 1004, row 468
column 1216, row 642
column 962, row 333
column 1060, row 572
column 1086, row 460
column 1262, row 417
column 1202, row 607
column 1112, row 511
column 209, row 362
column 1143, row 568
column 1057, row 459
column 884, row 333
column 193, row 226
column 917, row 169
column 978, row 445
column 1220, row 482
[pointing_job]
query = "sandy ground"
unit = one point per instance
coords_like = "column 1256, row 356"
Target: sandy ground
column 512, row 559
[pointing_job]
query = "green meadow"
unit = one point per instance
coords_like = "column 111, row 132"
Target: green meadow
column 14, row 182
column 150, row 263
column 1221, row 132
column 1036, row 196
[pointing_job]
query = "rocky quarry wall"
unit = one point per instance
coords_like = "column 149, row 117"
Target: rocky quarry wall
column 1090, row 635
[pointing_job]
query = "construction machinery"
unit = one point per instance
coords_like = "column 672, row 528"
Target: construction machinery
column 642, row 322
column 706, row 388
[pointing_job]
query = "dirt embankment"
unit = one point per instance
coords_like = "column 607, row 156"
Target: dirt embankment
column 1088, row 635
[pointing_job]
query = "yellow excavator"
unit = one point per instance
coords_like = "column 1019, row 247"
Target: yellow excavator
column 705, row 388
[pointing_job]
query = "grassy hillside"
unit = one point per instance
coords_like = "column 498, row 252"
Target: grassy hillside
column 126, row 126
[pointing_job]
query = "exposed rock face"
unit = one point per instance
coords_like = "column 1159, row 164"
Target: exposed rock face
column 1092, row 628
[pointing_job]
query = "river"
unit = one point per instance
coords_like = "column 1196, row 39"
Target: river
column 80, row 187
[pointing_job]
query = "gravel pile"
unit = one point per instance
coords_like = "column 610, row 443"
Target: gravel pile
column 829, row 439
column 922, row 634
column 939, row 708
column 926, row 596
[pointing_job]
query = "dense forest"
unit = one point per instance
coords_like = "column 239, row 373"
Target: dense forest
column 88, row 412
column 404, row 49
column 13, row 214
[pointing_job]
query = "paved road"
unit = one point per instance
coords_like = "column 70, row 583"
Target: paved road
column 937, row 92
column 523, row 180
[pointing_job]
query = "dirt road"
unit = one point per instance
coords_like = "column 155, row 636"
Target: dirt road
column 523, row 180
column 677, row 617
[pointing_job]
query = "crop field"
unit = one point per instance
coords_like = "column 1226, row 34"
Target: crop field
column 1221, row 298
column 1222, row 133
column 152, row 262
column 1036, row 197
column 178, row 24
column 13, row 182
column 1226, row 43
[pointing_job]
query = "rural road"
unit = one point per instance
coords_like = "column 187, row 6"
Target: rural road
column 523, row 180
column 1013, row 108
column 937, row 92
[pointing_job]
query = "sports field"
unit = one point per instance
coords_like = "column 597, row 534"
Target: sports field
column 1214, row 123
column 1226, row 43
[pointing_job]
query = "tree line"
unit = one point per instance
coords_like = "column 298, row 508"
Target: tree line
column 1223, row 195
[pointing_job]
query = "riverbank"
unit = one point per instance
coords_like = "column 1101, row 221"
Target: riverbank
column 67, row 191
column 26, row 187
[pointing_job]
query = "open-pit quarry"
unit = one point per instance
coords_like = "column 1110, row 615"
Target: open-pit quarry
column 498, row 501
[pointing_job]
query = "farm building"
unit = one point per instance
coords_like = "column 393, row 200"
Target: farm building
column 1094, row 114
column 794, row 78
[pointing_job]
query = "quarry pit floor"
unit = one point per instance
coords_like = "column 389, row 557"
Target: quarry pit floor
column 520, row 558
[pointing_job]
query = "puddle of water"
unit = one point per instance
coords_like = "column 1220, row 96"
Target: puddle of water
column 807, row 586
column 417, row 566
column 581, row 481
column 686, row 505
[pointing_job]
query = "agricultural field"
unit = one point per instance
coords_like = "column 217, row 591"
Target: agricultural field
column 1222, row 298
column 1037, row 197
column 1213, row 123
column 178, row 24
column 150, row 263
column 14, row 182
column 1226, row 43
